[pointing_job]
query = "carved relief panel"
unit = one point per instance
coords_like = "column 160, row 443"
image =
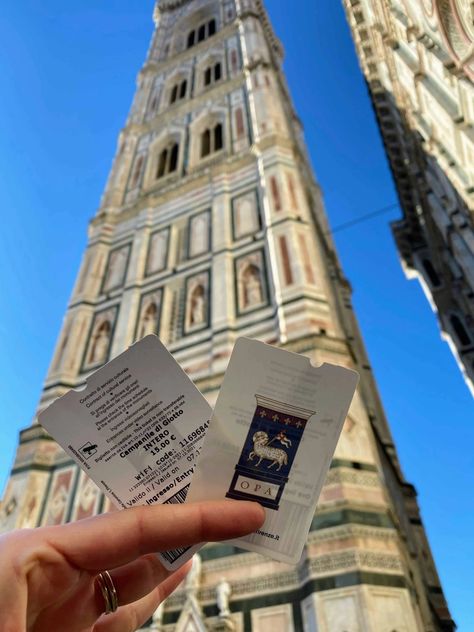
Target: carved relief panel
column 88, row 498
column 116, row 269
column 157, row 252
column 199, row 234
column 245, row 214
column 59, row 497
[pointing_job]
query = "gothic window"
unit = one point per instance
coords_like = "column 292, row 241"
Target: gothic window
column 191, row 39
column 275, row 190
column 460, row 330
column 205, row 143
column 137, row 172
column 218, row 139
column 168, row 160
column 174, row 94
column 212, row 140
column 213, row 73
column 431, row 272
column 178, row 91
column 285, row 259
column 202, row 33
column 239, row 123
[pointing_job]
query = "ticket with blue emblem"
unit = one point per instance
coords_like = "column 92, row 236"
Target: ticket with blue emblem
column 271, row 440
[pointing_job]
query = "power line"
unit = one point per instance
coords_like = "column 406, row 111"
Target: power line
column 363, row 218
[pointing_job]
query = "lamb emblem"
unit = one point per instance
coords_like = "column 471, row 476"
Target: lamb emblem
column 262, row 449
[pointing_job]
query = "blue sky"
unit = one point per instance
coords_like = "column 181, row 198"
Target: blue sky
column 67, row 76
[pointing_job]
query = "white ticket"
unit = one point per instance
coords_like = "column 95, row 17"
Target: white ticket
column 136, row 429
column 271, row 439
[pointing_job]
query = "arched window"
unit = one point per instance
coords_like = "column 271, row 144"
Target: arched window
column 174, row 94
column 212, row 139
column 460, row 330
column 178, row 91
column 205, row 143
column 202, row 33
column 431, row 272
column 168, row 160
column 162, row 163
column 218, row 138
column 213, row 73
column 173, row 158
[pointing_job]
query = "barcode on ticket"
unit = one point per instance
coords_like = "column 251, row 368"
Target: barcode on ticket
column 179, row 497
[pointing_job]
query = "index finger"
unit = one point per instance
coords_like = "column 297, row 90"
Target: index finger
column 111, row 540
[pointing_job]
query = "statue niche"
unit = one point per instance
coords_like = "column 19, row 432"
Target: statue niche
column 252, row 291
column 198, row 306
column 100, row 344
column 149, row 321
column 157, row 253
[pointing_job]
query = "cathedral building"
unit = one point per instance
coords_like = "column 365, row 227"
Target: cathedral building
column 418, row 60
column 212, row 227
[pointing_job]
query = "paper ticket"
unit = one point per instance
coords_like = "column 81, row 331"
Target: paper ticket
column 271, row 439
column 136, row 429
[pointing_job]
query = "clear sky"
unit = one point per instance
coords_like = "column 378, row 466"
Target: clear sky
column 67, row 76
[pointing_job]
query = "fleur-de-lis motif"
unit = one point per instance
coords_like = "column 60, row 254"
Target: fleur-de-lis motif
column 276, row 418
column 298, row 424
column 287, row 421
column 263, row 413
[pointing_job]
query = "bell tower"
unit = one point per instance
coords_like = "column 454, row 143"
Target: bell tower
column 211, row 227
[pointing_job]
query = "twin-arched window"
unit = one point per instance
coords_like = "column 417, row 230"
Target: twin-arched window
column 168, row 160
column 201, row 33
column 178, row 91
column 213, row 73
column 212, row 140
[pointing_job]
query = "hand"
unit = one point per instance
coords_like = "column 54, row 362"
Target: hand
column 47, row 575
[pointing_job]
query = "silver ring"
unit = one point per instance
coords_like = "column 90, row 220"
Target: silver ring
column 107, row 588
